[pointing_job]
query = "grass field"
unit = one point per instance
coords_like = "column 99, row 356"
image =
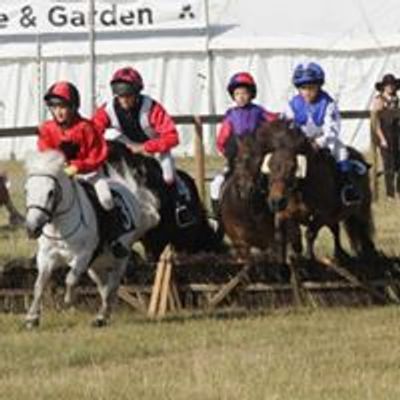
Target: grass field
column 341, row 354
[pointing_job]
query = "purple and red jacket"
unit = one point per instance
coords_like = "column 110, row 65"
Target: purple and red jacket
column 242, row 121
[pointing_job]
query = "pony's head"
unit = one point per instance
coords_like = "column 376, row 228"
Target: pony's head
column 247, row 166
column 284, row 163
column 43, row 189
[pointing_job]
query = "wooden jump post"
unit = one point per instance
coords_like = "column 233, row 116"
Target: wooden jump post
column 375, row 160
column 200, row 168
column 164, row 293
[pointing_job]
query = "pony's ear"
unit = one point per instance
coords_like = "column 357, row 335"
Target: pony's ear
column 300, row 141
column 264, row 136
column 291, row 125
column 242, row 145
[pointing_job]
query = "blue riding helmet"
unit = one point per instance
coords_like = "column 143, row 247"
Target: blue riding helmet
column 306, row 74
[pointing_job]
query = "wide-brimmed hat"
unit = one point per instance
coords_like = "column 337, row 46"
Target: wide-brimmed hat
column 388, row 79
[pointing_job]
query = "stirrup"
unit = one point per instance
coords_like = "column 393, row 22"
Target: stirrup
column 183, row 216
column 359, row 167
column 118, row 249
column 356, row 200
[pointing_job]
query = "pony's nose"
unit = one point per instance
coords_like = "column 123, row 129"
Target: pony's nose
column 277, row 204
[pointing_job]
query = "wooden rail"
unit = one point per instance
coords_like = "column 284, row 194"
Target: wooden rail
column 188, row 119
column 199, row 120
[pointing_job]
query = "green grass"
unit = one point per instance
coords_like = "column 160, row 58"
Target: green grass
column 333, row 354
column 342, row 354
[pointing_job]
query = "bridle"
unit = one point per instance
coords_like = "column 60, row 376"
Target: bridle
column 51, row 211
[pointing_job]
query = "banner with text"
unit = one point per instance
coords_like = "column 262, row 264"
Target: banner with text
column 63, row 16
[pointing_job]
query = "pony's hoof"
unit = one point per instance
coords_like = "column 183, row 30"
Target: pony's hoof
column 99, row 322
column 68, row 301
column 32, row 323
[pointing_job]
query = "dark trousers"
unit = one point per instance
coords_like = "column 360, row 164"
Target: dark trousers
column 391, row 162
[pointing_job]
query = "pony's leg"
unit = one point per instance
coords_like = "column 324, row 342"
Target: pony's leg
column 45, row 267
column 108, row 292
column 98, row 277
column 78, row 266
column 339, row 252
column 311, row 235
column 296, row 245
column 294, row 238
column 280, row 237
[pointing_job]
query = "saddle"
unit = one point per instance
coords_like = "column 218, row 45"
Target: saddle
column 111, row 223
column 101, row 214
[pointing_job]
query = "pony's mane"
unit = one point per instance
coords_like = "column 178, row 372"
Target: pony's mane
column 50, row 162
column 280, row 134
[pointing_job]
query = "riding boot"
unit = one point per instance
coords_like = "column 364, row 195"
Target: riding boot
column 183, row 214
column 118, row 249
column 215, row 207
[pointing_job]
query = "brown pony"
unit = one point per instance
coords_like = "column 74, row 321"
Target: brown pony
column 15, row 218
column 303, row 185
column 245, row 215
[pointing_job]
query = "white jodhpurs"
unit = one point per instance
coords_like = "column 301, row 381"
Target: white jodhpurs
column 100, row 184
column 337, row 148
column 216, row 185
column 170, row 176
column 168, row 166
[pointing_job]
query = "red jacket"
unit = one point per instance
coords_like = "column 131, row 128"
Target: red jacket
column 166, row 135
column 92, row 148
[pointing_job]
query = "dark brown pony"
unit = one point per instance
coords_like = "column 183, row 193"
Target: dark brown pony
column 303, row 185
column 198, row 237
column 245, row 214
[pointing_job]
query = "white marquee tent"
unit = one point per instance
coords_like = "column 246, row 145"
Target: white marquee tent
column 357, row 41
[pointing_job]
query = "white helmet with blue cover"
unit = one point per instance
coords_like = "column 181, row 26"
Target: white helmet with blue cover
column 308, row 74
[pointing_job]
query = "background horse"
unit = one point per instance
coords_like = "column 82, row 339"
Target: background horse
column 61, row 216
column 313, row 198
column 15, row 218
column 199, row 236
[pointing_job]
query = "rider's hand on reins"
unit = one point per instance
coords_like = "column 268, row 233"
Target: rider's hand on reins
column 71, row 170
column 315, row 145
column 136, row 148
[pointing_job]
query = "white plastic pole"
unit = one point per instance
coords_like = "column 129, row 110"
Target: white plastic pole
column 210, row 68
column 92, row 53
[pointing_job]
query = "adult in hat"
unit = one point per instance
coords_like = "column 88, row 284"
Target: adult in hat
column 386, row 131
column 389, row 84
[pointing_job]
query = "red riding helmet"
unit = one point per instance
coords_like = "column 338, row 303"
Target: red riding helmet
column 126, row 81
column 63, row 92
column 242, row 79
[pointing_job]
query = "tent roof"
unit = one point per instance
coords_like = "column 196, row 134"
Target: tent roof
column 343, row 25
